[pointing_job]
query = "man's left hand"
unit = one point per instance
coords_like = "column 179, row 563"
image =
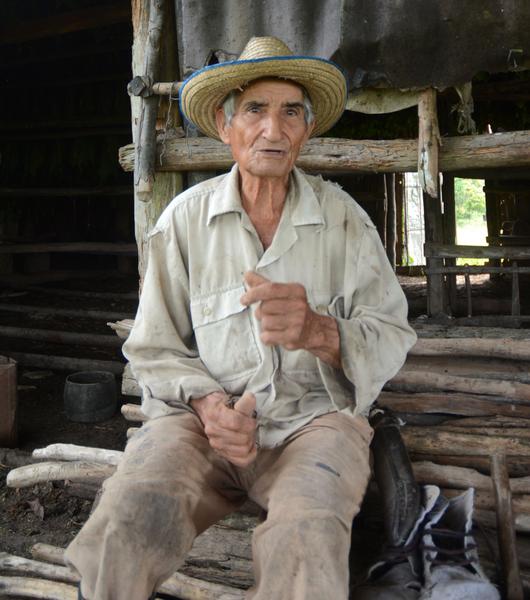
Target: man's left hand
column 287, row 319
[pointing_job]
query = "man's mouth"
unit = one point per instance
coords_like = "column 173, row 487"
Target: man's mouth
column 272, row 152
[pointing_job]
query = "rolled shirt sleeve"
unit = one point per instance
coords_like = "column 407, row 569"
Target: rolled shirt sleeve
column 161, row 348
column 372, row 321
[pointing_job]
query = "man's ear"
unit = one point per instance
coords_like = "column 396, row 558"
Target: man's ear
column 222, row 127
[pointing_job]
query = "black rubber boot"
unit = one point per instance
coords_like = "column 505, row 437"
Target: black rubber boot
column 400, row 494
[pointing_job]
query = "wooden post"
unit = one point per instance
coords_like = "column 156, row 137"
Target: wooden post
column 428, row 146
column 505, row 527
column 428, row 142
column 449, row 232
column 399, row 193
column 434, row 233
column 149, row 204
column 8, row 402
column 391, row 220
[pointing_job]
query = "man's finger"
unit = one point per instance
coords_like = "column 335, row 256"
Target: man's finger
column 246, row 404
column 252, row 279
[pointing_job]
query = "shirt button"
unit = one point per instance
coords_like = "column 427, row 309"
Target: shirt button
column 206, row 311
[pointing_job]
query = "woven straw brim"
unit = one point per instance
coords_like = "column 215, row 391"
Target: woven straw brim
column 204, row 91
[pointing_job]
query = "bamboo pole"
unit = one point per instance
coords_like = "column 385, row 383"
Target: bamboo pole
column 17, row 564
column 66, row 363
column 505, row 527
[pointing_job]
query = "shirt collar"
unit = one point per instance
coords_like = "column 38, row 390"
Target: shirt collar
column 305, row 206
column 226, row 198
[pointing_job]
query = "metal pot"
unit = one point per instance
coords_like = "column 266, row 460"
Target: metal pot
column 90, row 396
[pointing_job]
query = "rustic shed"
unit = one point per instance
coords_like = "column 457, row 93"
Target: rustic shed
column 437, row 87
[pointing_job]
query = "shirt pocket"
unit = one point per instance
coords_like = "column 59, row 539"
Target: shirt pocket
column 224, row 335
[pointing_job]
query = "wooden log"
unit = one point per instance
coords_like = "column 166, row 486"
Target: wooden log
column 517, row 467
column 56, row 471
column 83, row 293
column 336, row 155
column 436, row 331
column 146, row 147
column 66, row 192
column 131, row 431
column 133, row 412
column 30, row 587
column 63, row 312
column 505, row 527
column 493, row 347
column 486, row 500
column 71, row 452
column 496, row 421
column 180, row 585
column 428, row 142
column 488, row 518
column 8, row 402
column 428, row 440
column 391, row 221
column 166, row 186
column 417, row 381
column 82, row 19
column 469, row 366
column 71, row 247
column 17, row 564
column 449, row 251
column 66, row 363
column 462, row 478
column 451, row 403
column 60, row 337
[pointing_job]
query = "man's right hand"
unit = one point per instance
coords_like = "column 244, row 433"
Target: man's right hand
column 230, row 431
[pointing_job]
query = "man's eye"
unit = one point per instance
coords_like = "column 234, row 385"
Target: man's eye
column 292, row 112
column 254, row 109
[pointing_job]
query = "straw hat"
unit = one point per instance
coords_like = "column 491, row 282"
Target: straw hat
column 204, row 91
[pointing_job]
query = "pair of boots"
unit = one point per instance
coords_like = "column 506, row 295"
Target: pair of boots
column 437, row 561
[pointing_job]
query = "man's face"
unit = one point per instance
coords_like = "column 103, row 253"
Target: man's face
column 268, row 128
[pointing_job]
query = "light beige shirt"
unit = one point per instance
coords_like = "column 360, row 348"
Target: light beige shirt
column 192, row 336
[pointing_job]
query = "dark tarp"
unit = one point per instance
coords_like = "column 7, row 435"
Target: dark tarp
column 396, row 43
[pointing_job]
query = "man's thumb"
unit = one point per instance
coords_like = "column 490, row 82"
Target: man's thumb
column 246, row 404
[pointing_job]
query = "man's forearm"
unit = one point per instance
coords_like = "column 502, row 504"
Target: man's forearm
column 324, row 340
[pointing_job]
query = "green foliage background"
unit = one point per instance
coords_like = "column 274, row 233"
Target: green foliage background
column 469, row 200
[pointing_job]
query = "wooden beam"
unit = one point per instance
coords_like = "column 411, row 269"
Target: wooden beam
column 53, row 192
column 61, row 337
column 337, row 155
column 70, row 247
column 64, row 312
column 450, row 251
column 66, row 363
column 67, row 22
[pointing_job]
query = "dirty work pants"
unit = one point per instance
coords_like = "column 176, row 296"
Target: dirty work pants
column 170, row 486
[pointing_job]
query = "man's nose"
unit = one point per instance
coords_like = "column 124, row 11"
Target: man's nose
column 272, row 130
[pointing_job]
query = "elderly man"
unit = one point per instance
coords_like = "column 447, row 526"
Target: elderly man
column 269, row 321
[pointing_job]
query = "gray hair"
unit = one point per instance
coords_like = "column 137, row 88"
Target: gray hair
column 229, row 106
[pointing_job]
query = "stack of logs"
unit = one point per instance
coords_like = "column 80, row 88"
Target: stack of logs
column 464, row 396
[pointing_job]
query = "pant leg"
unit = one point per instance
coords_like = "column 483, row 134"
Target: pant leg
column 312, row 487
column 168, row 488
